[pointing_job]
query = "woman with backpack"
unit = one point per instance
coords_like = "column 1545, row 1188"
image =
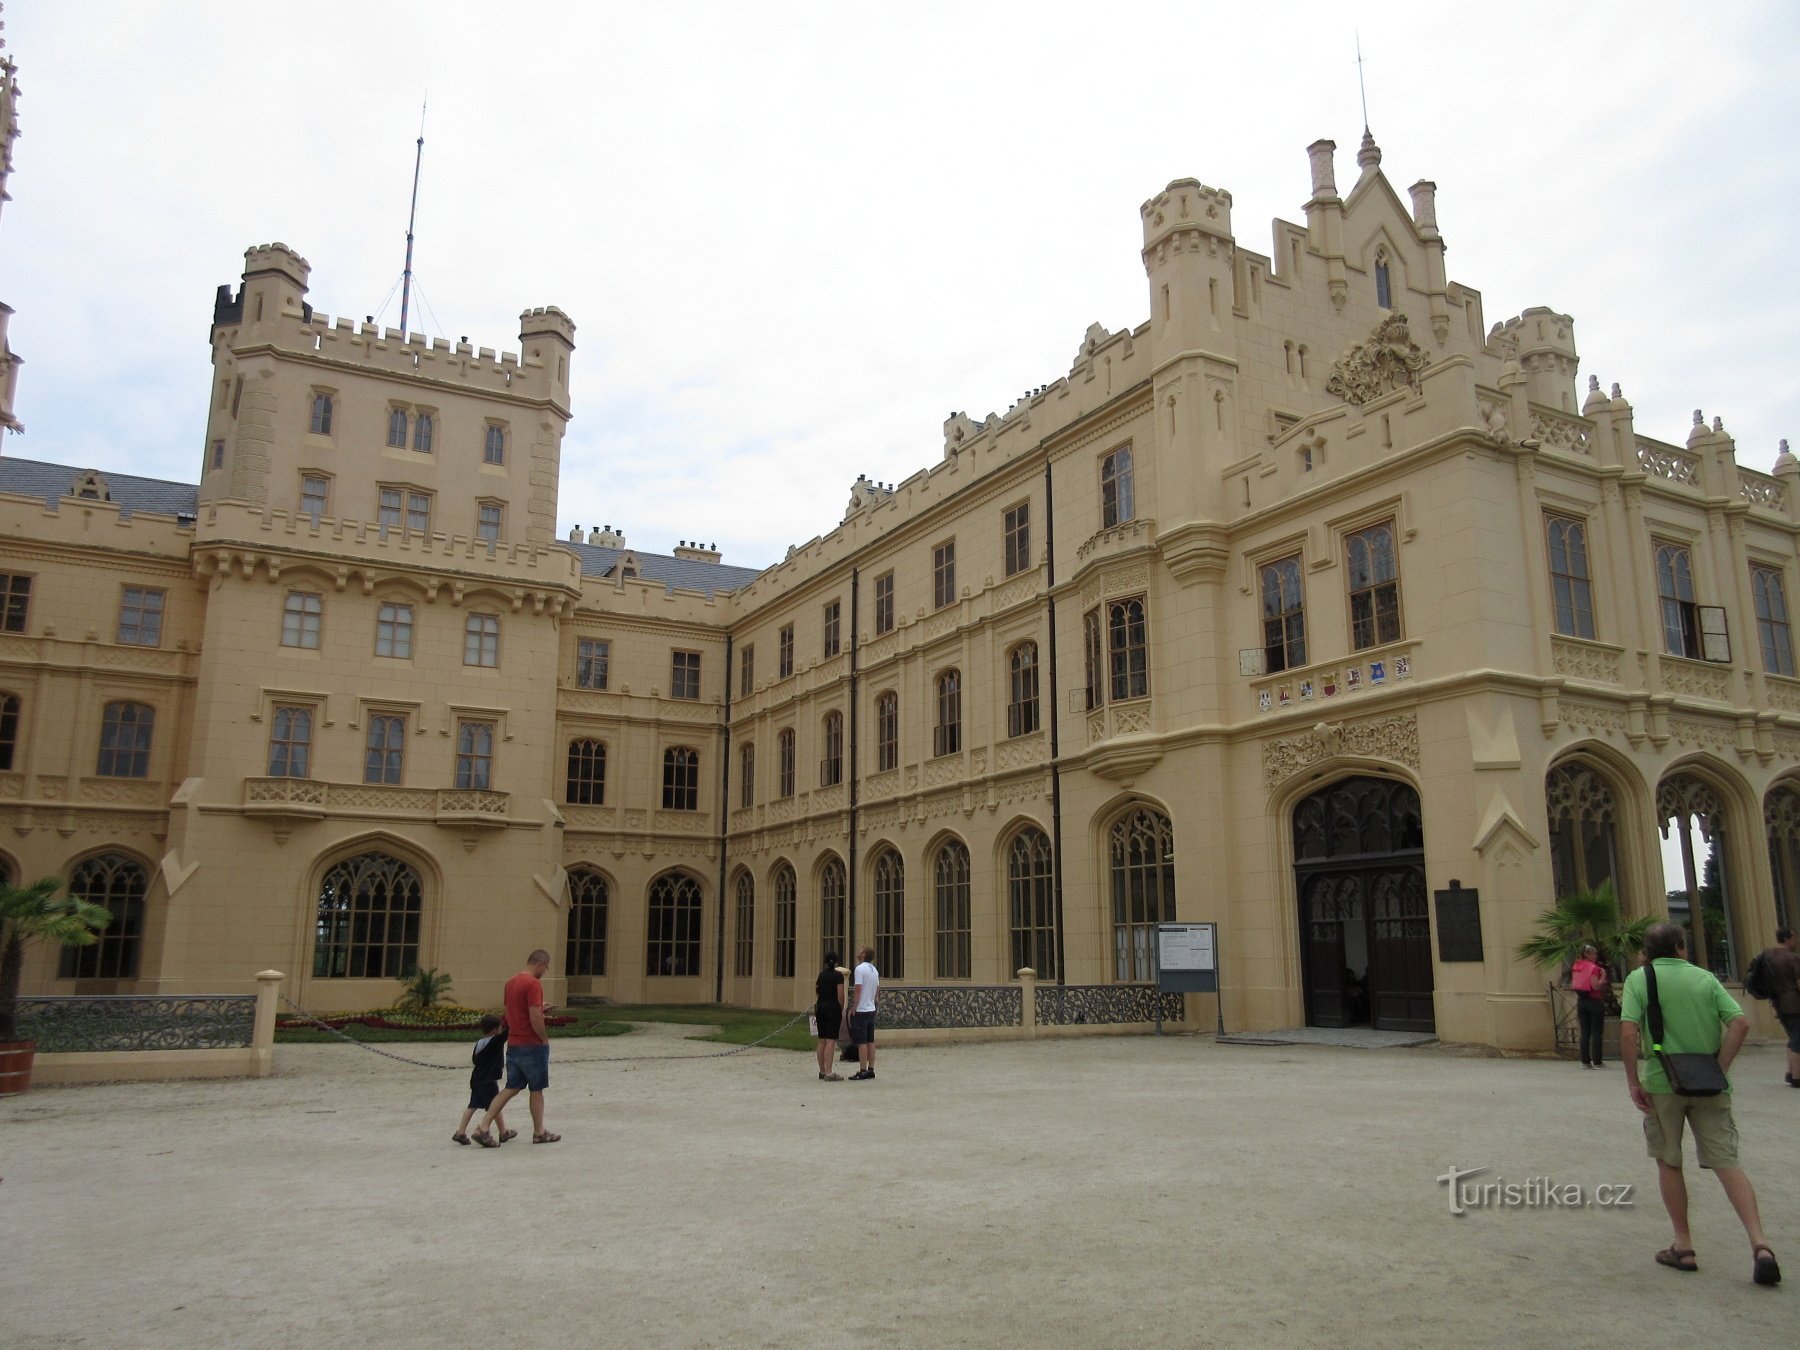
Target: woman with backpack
column 1588, row 978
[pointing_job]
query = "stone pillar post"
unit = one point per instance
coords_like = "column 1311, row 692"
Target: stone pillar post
column 1028, row 1000
column 262, row 1035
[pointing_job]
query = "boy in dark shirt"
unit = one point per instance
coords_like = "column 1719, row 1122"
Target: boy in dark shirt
column 484, row 1080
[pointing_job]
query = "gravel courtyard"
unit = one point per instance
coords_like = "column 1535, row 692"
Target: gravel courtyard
column 1066, row 1193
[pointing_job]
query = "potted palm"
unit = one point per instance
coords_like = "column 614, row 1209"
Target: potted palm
column 31, row 914
column 1588, row 915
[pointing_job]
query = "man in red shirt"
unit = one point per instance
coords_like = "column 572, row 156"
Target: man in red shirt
column 527, row 1050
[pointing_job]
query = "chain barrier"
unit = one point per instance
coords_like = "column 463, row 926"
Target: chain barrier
column 594, row 1059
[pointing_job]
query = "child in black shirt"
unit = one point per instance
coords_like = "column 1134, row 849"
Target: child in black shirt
column 484, row 1080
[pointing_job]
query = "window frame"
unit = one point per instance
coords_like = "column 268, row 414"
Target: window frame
column 136, row 635
column 1284, row 630
column 1118, row 487
column 127, row 736
column 396, row 433
column 481, row 639
column 1127, row 648
column 887, row 730
column 884, row 603
column 684, row 674
column 320, row 416
column 290, row 740
column 324, row 495
column 946, row 728
column 593, row 660
column 747, row 670
column 395, row 631
column 424, row 428
column 888, row 895
column 12, row 708
column 831, row 623
column 15, row 601
column 1678, row 614
column 831, row 763
column 584, row 777
column 490, row 531
column 475, row 754
column 746, row 775
column 1571, row 591
column 384, row 749
column 1015, row 538
column 493, row 444
column 950, row 892
column 1774, row 633
column 1369, row 631
column 943, row 574
column 681, row 778
column 306, row 621
column 785, row 756
column 784, row 651
column 1022, row 689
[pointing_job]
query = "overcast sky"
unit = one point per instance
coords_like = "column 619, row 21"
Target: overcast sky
column 794, row 237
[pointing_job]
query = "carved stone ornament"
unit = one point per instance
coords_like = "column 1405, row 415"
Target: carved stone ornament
column 1393, row 738
column 1389, row 359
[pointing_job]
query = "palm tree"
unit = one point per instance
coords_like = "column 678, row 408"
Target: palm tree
column 32, row 913
column 1584, row 916
column 423, row 989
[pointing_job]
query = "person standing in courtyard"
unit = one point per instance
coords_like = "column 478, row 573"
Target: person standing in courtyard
column 1782, row 962
column 1697, row 1017
column 864, row 984
column 484, row 1078
column 1589, row 980
column 527, row 1050
column 828, row 1012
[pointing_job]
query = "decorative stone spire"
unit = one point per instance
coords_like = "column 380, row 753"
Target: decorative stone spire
column 1369, row 156
column 1784, row 459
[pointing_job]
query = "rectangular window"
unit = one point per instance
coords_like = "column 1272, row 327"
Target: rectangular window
column 946, row 735
column 1016, row 538
column 397, row 428
column 887, row 732
column 487, row 522
column 140, row 617
column 1571, row 590
column 474, row 754
column 831, row 766
column 784, row 763
column 418, row 513
column 321, row 414
column 389, row 504
column 384, row 752
column 218, row 459
column 943, row 574
column 493, row 446
column 586, row 781
column 314, row 495
column 832, row 611
column 591, row 655
column 300, row 619
column 784, row 651
column 884, row 603
column 125, row 732
column 684, row 675
column 9, row 729
column 747, row 672
column 1374, row 579
column 393, row 631
column 481, row 640
column 290, row 742
column 747, row 776
column 1118, row 502
column 1093, row 649
column 1769, row 593
column 1675, row 595
column 15, row 602
column 1283, row 615
column 1127, row 652
column 1022, row 694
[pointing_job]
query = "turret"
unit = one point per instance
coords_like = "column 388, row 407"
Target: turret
column 1546, row 347
column 547, row 337
column 1188, row 250
column 1325, row 218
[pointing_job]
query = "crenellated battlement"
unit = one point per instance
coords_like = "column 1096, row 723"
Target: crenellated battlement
column 270, row 308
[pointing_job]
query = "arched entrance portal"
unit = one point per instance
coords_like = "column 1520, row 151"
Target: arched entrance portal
column 1365, row 935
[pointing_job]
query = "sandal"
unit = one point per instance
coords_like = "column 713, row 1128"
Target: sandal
column 545, row 1138
column 485, row 1139
column 1680, row 1258
column 459, row 1138
column 508, row 1134
column 1767, row 1270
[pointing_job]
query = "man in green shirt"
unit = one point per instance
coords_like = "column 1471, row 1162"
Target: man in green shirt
column 1699, row 1018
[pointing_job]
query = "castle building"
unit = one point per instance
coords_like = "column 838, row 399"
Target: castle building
column 1312, row 606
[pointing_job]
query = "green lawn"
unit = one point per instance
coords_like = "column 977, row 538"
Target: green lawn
column 740, row 1026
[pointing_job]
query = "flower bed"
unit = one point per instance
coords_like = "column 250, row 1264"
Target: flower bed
column 404, row 1019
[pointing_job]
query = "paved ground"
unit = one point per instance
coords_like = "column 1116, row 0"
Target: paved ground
column 1064, row 1193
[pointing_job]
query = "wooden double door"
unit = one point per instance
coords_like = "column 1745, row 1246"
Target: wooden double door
column 1365, row 927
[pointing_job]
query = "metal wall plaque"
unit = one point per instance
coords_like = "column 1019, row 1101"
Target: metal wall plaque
column 1458, row 923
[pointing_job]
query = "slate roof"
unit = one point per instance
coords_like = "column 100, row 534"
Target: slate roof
column 38, row 478
column 683, row 573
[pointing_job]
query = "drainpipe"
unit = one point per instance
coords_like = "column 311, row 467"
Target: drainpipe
column 1056, row 825
column 724, row 816
column 855, row 770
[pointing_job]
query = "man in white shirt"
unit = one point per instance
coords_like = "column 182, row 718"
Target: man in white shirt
column 865, row 981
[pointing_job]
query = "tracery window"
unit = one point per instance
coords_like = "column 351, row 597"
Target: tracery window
column 118, row 884
column 833, row 910
column 1022, row 690
column 1141, row 854
column 950, row 890
column 1031, row 903
column 1675, row 597
column 1117, row 501
column 673, row 943
column 744, row 935
column 785, row 917
column 1584, row 820
column 1283, row 615
column 1701, row 885
column 1571, row 590
column 681, row 779
column 1374, row 577
column 367, row 922
column 585, row 953
column 946, row 735
column 890, row 915
column 1769, row 595
column 1781, row 816
column 586, row 782
column 887, row 731
column 831, row 764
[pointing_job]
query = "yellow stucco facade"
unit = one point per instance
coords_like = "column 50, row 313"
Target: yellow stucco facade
column 1284, row 610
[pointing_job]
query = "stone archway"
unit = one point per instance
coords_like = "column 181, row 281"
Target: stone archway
column 1365, row 930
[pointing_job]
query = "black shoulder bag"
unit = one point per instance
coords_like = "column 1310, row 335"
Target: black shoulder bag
column 1689, row 1075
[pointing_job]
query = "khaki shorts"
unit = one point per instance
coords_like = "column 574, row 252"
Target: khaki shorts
column 1715, row 1133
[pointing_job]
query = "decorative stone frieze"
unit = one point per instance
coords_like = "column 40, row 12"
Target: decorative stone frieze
column 1393, row 738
